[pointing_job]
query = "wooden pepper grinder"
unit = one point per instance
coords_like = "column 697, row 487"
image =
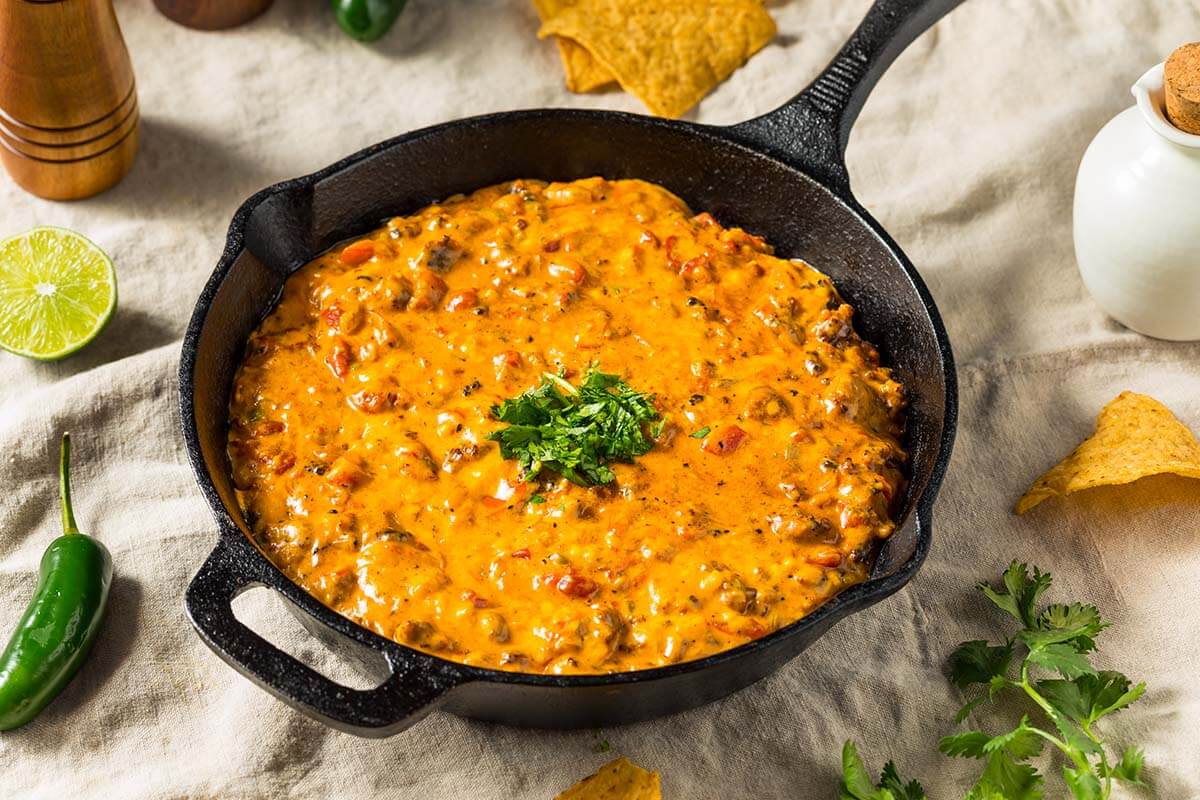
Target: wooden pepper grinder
column 1181, row 85
column 68, row 104
column 211, row 15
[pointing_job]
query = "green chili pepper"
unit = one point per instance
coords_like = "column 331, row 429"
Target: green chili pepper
column 57, row 631
column 366, row 20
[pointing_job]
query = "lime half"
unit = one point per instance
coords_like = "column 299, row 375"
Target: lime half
column 57, row 292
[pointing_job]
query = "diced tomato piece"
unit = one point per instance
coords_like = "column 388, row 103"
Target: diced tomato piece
column 344, row 473
column 573, row 273
column 475, row 600
column 462, row 300
column 576, row 586
column 338, row 360
column 851, row 517
column 493, row 502
column 357, row 253
column 824, row 558
column 332, row 316
column 717, row 625
column 754, row 629
column 509, row 358
column 669, row 245
column 369, row 402
column 428, row 291
column 725, row 442
column 522, row 553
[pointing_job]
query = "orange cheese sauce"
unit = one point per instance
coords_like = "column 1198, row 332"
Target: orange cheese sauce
column 360, row 417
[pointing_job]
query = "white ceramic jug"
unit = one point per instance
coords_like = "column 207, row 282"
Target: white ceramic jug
column 1137, row 218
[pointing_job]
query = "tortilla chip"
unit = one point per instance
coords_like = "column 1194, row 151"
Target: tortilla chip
column 616, row 780
column 583, row 73
column 1136, row 437
column 668, row 53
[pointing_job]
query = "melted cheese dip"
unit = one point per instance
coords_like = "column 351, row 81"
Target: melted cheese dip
column 360, row 417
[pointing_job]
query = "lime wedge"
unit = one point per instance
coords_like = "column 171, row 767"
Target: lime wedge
column 57, row 292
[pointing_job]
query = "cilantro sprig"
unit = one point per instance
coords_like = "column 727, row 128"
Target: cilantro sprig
column 575, row 431
column 857, row 783
column 1048, row 661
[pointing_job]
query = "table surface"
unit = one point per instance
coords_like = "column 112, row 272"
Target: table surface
column 966, row 152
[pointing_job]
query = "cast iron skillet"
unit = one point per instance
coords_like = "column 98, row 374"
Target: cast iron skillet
column 782, row 176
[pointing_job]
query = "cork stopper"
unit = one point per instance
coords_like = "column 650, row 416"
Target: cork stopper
column 1181, row 88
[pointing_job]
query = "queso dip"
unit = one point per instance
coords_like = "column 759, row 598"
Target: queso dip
column 361, row 415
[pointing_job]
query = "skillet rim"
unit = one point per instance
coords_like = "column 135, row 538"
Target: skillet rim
column 849, row 601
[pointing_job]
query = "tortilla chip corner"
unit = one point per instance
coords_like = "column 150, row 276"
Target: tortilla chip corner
column 620, row 779
column 1136, row 437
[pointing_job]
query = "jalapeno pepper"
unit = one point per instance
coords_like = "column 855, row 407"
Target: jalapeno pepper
column 366, row 20
column 58, row 629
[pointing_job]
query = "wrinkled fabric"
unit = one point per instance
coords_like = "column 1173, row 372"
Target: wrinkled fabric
column 966, row 152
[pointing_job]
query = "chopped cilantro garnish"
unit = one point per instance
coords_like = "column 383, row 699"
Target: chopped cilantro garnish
column 537, row 500
column 700, row 434
column 575, row 431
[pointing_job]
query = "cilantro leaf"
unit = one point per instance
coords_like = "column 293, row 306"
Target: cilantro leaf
column 700, row 434
column 856, row 781
column 1076, row 623
column 1129, row 768
column 575, row 431
column 1127, row 697
column 968, row 744
column 968, row 707
column 1078, row 617
column 891, row 781
column 997, row 684
column 1022, row 743
column 1084, row 784
column 1020, row 594
column 857, row 784
column 1005, row 779
column 978, row 662
column 1071, row 733
column 1090, row 697
column 1062, row 658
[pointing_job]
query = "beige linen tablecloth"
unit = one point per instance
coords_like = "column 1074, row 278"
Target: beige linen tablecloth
column 966, row 152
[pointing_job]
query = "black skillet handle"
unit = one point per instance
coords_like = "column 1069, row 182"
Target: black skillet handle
column 810, row 131
column 400, row 701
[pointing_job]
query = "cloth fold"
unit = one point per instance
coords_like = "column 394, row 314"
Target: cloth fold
column 966, row 152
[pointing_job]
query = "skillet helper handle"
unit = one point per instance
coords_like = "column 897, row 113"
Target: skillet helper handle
column 811, row 130
column 404, row 698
